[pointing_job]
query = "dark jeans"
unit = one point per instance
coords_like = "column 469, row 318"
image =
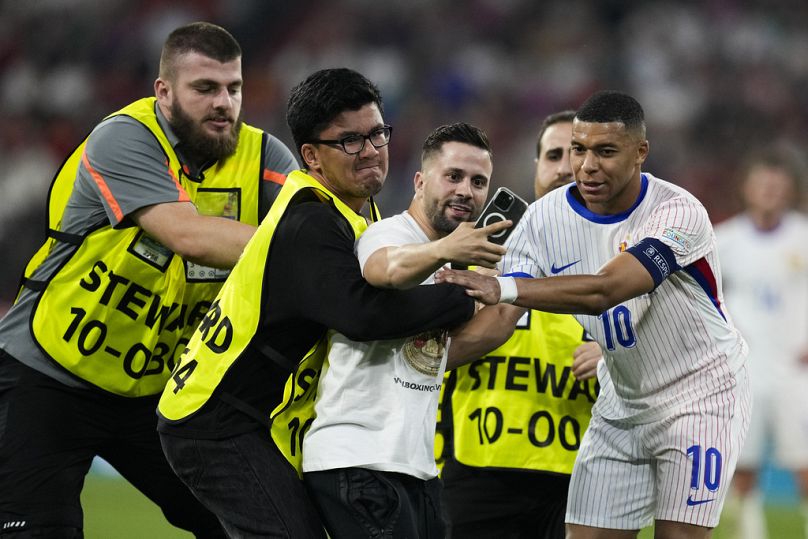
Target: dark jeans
column 506, row 504
column 49, row 434
column 248, row 483
column 356, row 503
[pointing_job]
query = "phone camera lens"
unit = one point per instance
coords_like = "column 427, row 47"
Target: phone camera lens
column 504, row 201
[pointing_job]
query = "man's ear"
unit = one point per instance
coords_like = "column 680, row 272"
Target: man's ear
column 311, row 157
column 642, row 152
column 162, row 91
column 418, row 180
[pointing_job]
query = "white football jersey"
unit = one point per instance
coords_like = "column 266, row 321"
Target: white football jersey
column 673, row 345
column 766, row 283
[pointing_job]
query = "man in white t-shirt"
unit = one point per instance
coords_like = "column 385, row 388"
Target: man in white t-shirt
column 765, row 269
column 368, row 458
column 633, row 257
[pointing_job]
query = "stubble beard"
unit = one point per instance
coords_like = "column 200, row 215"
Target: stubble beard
column 436, row 213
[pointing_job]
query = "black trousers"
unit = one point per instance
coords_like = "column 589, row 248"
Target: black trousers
column 356, row 503
column 49, row 435
column 507, row 504
column 248, row 483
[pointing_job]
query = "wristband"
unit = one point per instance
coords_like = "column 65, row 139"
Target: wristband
column 507, row 289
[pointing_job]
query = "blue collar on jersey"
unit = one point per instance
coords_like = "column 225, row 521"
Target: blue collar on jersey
column 582, row 210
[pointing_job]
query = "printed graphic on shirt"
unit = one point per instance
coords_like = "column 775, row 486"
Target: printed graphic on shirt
column 425, row 352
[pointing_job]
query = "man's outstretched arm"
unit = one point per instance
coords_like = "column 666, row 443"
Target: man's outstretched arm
column 622, row 278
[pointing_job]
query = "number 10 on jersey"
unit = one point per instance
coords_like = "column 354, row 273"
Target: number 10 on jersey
column 617, row 325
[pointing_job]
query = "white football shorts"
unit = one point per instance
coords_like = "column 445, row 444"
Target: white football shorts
column 677, row 469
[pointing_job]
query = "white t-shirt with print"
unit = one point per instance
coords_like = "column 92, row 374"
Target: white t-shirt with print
column 377, row 401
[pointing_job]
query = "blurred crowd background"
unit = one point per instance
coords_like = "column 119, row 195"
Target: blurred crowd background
column 717, row 78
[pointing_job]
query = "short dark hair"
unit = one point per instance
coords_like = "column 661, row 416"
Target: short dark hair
column 203, row 37
column 324, row 95
column 611, row 106
column 456, row 132
column 780, row 157
column 565, row 116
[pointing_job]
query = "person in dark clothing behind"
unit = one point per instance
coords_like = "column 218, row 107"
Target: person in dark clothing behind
column 297, row 278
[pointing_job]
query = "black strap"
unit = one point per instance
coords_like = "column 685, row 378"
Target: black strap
column 275, row 357
column 34, row 284
column 65, row 237
column 374, row 214
column 245, row 408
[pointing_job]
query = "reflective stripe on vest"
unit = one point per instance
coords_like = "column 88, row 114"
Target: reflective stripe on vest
column 520, row 406
column 232, row 322
column 119, row 310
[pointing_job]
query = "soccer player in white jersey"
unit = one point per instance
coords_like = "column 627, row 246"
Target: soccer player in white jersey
column 633, row 257
column 766, row 276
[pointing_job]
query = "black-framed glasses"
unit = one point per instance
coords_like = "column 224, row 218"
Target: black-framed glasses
column 353, row 144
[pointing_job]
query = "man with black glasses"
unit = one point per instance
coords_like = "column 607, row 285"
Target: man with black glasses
column 297, row 278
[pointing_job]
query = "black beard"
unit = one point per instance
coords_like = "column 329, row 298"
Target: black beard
column 199, row 146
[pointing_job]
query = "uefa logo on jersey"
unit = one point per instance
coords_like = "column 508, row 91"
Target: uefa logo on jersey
column 677, row 237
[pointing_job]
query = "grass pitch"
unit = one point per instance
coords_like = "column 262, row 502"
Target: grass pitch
column 114, row 509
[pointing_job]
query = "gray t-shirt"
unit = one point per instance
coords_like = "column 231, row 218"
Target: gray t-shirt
column 127, row 160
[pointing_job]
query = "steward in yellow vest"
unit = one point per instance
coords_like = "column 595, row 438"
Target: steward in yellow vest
column 145, row 218
column 233, row 378
column 297, row 278
column 511, row 423
column 520, row 407
column 233, row 323
column 119, row 309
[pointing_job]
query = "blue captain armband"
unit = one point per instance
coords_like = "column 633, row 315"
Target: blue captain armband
column 657, row 258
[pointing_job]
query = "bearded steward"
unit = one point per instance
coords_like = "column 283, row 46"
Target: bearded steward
column 145, row 218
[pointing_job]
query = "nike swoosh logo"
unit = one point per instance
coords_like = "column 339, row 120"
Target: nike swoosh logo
column 554, row 269
column 691, row 501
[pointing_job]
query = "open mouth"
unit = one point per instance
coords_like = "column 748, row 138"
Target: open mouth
column 459, row 211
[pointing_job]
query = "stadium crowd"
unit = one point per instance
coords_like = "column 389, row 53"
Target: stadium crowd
column 720, row 81
column 717, row 78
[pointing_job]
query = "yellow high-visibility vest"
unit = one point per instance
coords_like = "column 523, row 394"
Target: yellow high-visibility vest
column 520, row 407
column 233, row 321
column 119, row 310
